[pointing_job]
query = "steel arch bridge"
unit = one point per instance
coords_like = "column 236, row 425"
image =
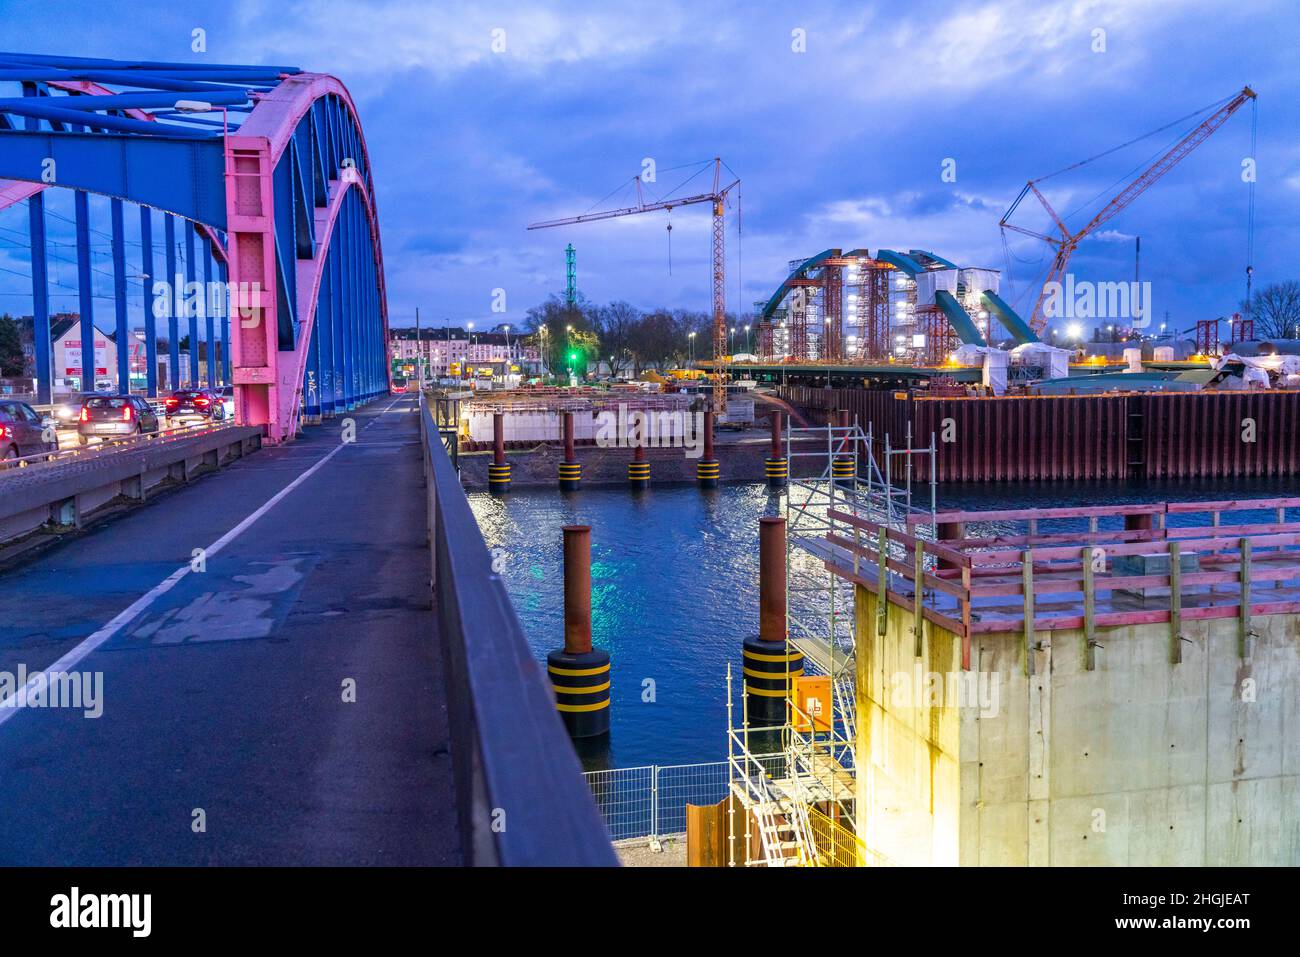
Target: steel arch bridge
column 264, row 169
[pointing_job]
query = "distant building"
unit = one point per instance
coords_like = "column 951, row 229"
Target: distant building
column 65, row 337
column 443, row 348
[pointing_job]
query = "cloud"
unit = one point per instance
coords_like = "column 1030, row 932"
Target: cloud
column 379, row 39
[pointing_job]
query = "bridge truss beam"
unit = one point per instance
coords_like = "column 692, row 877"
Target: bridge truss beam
column 275, row 201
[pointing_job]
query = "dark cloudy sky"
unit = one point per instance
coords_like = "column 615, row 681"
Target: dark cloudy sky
column 840, row 145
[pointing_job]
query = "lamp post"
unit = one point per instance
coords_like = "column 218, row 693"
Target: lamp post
column 690, row 340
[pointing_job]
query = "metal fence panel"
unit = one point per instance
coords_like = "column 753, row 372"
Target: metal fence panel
column 625, row 796
column 650, row 801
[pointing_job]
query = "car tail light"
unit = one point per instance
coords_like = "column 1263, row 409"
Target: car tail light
column 200, row 401
column 4, row 432
column 172, row 403
column 127, row 413
column 85, row 414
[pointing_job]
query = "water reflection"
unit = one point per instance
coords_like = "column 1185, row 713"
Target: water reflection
column 675, row 588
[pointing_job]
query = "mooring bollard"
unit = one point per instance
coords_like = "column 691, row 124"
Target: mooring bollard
column 499, row 470
column 707, row 469
column 579, row 673
column 638, row 470
column 570, row 468
column 844, row 467
column 777, row 468
column 770, row 664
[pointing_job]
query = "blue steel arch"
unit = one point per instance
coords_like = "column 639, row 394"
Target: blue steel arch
column 146, row 145
column 913, row 263
column 799, row 272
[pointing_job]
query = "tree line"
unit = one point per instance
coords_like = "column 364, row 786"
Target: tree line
column 625, row 338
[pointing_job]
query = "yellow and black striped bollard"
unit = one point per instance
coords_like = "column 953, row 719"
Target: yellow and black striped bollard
column 581, row 685
column 770, row 667
column 570, row 476
column 638, row 470
column 708, row 473
column 579, row 673
column 777, row 466
column 499, row 469
column 777, row 472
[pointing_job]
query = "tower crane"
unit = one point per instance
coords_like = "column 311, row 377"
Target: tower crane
column 1068, row 241
column 717, row 198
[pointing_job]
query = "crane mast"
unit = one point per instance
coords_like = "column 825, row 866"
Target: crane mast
column 1068, row 241
column 717, row 198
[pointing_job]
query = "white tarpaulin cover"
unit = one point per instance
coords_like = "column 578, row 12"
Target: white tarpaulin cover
column 994, row 362
column 977, row 281
column 1055, row 362
column 1258, row 368
column 928, row 283
column 1133, row 356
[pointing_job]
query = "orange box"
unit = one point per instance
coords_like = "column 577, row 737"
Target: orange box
column 812, row 696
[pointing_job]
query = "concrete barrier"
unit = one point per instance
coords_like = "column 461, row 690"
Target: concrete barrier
column 64, row 495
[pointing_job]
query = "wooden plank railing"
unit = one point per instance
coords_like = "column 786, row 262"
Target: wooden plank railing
column 968, row 587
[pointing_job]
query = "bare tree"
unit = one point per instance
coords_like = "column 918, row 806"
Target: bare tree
column 617, row 324
column 653, row 341
column 1276, row 311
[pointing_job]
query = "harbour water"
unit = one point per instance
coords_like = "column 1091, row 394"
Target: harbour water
column 675, row 587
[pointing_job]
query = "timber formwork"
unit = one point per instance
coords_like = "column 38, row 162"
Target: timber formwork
column 1036, row 571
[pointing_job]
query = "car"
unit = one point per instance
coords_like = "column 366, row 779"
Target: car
column 228, row 401
column 24, row 432
column 194, row 405
column 115, row 417
column 68, row 411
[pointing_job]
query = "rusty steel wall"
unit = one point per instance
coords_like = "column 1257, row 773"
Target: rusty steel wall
column 1112, row 436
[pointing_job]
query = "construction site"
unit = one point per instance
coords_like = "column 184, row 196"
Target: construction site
column 1109, row 684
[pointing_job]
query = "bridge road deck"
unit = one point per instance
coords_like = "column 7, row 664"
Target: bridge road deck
column 225, row 692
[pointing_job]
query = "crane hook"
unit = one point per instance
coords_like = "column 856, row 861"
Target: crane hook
column 670, row 247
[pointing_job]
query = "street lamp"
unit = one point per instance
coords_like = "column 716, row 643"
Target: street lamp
column 690, row 338
column 747, row 349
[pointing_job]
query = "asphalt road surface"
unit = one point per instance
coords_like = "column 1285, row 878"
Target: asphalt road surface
column 224, row 681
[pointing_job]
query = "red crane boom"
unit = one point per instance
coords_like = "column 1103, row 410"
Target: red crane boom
column 1066, row 243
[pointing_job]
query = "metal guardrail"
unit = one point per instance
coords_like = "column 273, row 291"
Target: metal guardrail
column 82, row 452
column 521, row 797
column 65, row 493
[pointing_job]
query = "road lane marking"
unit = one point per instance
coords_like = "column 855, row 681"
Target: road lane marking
column 73, row 657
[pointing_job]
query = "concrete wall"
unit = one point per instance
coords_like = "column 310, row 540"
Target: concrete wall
column 740, row 461
column 1137, row 763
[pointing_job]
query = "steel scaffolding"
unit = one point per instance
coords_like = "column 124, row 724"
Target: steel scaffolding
column 802, row 815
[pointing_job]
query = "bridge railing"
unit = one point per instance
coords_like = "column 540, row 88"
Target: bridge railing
column 521, row 796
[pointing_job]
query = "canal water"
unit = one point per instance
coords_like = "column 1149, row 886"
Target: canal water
column 675, row 587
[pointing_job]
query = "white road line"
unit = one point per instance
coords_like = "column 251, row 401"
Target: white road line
column 70, row 660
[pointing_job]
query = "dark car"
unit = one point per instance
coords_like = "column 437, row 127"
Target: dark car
column 194, row 404
column 115, row 417
column 24, row 432
column 68, row 411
